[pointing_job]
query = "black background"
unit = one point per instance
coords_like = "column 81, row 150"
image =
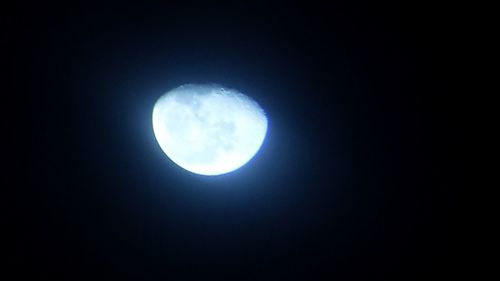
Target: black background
column 352, row 182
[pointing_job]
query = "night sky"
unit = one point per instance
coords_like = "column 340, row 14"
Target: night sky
column 351, row 183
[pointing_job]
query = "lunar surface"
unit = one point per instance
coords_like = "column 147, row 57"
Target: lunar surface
column 208, row 129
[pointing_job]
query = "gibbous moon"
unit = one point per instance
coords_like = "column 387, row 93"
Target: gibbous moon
column 208, row 129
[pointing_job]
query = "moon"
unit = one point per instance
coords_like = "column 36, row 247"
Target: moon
column 208, row 129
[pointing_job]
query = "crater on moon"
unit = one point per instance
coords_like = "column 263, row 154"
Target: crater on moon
column 208, row 129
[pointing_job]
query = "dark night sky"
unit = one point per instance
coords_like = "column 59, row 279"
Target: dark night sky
column 352, row 181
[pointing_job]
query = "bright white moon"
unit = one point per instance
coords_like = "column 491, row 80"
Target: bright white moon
column 208, row 129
